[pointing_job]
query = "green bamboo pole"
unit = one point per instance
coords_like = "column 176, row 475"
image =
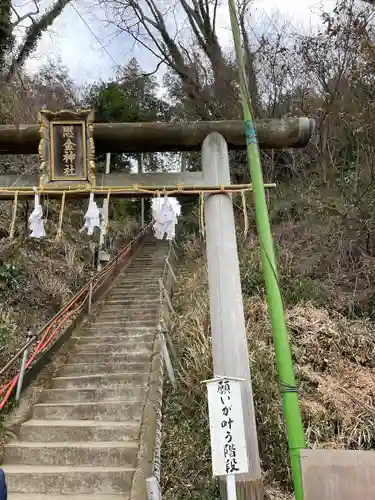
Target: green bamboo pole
column 291, row 407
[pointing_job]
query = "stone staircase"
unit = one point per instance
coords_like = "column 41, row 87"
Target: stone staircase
column 83, row 438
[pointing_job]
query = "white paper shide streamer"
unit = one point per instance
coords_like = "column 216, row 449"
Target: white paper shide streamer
column 165, row 212
column 36, row 222
column 92, row 217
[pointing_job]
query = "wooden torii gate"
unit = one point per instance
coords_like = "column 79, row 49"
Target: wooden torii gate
column 66, row 142
column 47, row 139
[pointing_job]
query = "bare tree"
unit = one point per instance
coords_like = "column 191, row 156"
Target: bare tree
column 37, row 27
column 207, row 75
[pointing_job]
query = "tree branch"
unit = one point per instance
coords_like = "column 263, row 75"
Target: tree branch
column 20, row 19
column 33, row 34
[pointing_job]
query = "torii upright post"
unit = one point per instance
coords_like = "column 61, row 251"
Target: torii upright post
column 140, row 171
column 229, row 344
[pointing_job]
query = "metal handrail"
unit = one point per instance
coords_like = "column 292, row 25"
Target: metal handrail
column 43, row 329
column 40, row 332
column 94, row 284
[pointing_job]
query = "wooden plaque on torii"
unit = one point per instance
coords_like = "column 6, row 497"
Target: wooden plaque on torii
column 66, row 149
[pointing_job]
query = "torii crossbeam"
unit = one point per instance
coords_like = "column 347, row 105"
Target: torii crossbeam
column 168, row 136
column 66, row 142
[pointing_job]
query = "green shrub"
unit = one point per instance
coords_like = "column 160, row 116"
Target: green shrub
column 8, row 273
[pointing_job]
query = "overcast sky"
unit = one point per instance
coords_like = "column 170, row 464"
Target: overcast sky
column 71, row 40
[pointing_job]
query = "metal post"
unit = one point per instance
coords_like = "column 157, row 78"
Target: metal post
column 170, row 346
column 107, row 163
column 102, row 232
column 152, row 487
column 140, row 171
column 22, row 371
column 142, row 213
column 229, row 343
column 174, row 251
column 90, row 295
column 167, row 360
column 166, row 296
column 171, row 270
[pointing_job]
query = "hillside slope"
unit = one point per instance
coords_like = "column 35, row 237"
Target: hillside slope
column 333, row 348
column 37, row 277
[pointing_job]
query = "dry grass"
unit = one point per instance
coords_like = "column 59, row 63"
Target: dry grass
column 333, row 358
column 186, row 451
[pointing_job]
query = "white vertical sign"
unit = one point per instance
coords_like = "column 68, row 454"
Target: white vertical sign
column 228, row 445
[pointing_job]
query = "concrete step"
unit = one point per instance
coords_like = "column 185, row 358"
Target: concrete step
column 137, row 285
column 150, row 256
column 104, row 368
column 130, row 316
column 139, row 278
column 135, row 273
column 156, row 261
column 152, row 247
column 149, row 261
column 79, row 430
column 136, row 297
column 114, row 309
column 36, row 496
column 101, row 380
column 141, row 275
column 118, row 322
column 136, row 356
column 123, row 325
column 122, row 335
column 107, row 410
column 72, row 453
column 121, row 304
column 145, row 265
column 128, row 345
column 128, row 309
column 157, row 265
column 133, row 301
column 153, row 251
column 127, row 393
column 68, row 480
column 134, row 293
column 115, row 328
column 140, row 298
column 116, row 337
column 119, row 337
column 119, row 307
column 146, row 268
column 124, row 312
